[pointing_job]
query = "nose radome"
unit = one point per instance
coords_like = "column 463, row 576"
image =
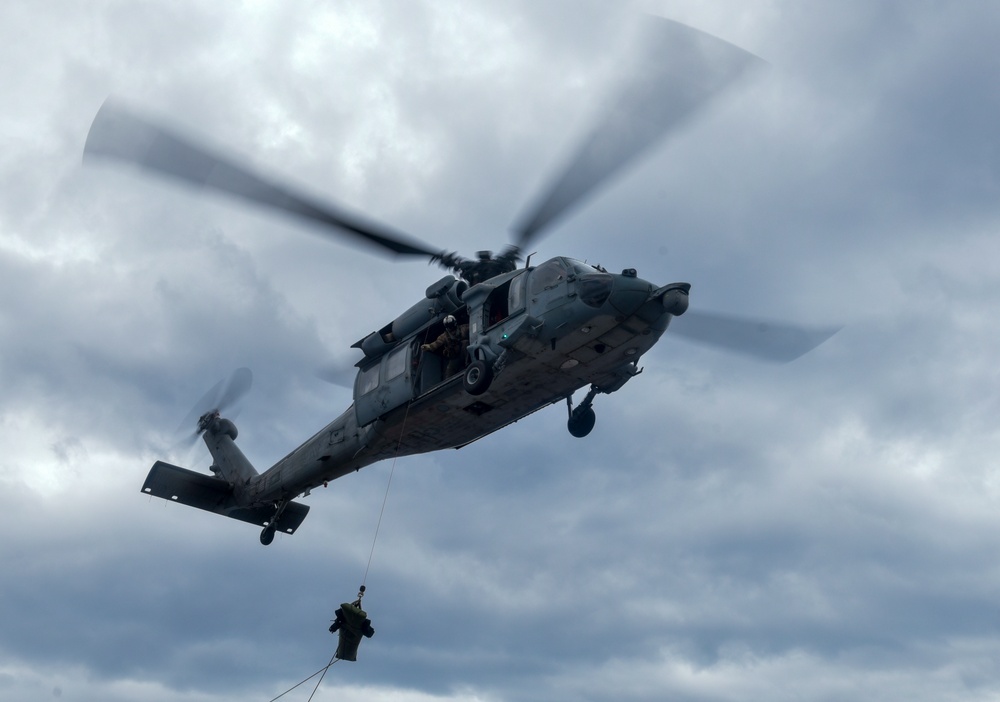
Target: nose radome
column 629, row 294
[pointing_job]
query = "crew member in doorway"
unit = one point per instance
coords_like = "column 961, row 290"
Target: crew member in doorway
column 452, row 344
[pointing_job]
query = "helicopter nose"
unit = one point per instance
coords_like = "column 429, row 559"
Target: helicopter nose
column 629, row 293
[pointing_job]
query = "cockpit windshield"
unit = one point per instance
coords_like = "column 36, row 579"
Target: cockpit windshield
column 593, row 283
column 581, row 268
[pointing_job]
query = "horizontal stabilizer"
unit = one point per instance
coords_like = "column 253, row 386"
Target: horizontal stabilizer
column 214, row 495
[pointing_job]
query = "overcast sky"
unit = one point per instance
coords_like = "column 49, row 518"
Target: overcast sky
column 731, row 530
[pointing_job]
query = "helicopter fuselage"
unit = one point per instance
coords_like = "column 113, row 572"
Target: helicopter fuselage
column 544, row 332
column 536, row 336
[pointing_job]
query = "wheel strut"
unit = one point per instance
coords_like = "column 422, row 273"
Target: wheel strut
column 267, row 535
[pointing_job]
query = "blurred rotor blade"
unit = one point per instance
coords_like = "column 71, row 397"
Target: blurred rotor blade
column 238, row 386
column 777, row 342
column 340, row 374
column 119, row 134
column 678, row 70
column 207, row 403
column 222, row 396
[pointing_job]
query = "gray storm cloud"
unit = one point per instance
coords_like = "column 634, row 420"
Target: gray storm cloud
column 730, row 530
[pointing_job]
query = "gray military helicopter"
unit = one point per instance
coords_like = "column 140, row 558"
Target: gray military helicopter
column 536, row 334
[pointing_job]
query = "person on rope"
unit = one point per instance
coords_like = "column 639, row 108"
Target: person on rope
column 352, row 622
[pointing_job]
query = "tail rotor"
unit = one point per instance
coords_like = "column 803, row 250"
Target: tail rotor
column 224, row 395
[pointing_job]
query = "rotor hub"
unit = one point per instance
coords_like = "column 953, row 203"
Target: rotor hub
column 206, row 420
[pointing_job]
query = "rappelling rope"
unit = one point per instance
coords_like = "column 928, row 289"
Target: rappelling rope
column 385, row 498
column 392, row 471
column 333, row 659
column 302, row 682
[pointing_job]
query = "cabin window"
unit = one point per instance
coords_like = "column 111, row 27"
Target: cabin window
column 368, row 380
column 396, row 363
column 547, row 275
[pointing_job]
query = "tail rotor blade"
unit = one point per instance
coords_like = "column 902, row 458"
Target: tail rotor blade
column 777, row 342
column 680, row 69
column 222, row 396
column 207, row 403
column 238, row 385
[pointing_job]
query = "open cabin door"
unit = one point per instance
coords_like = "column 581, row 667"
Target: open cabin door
column 384, row 385
column 503, row 302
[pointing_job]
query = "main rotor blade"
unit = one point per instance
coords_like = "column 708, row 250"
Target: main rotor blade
column 340, row 374
column 119, row 134
column 679, row 69
column 777, row 342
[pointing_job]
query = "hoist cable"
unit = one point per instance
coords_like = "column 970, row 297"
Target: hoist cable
column 322, row 671
column 385, row 498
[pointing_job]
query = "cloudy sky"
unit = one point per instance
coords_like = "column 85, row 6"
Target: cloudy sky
column 823, row 530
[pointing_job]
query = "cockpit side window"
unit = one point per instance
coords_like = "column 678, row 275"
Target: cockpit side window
column 547, row 275
column 516, row 297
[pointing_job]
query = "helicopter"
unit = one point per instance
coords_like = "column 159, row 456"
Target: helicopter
column 531, row 335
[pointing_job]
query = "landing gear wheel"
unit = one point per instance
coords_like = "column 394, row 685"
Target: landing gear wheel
column 477, row 378
column 581, row 421
column 267, row 536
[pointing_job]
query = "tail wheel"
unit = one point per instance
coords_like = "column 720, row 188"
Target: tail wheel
column 267, row 536
column 581, row 422
column 477, row 378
